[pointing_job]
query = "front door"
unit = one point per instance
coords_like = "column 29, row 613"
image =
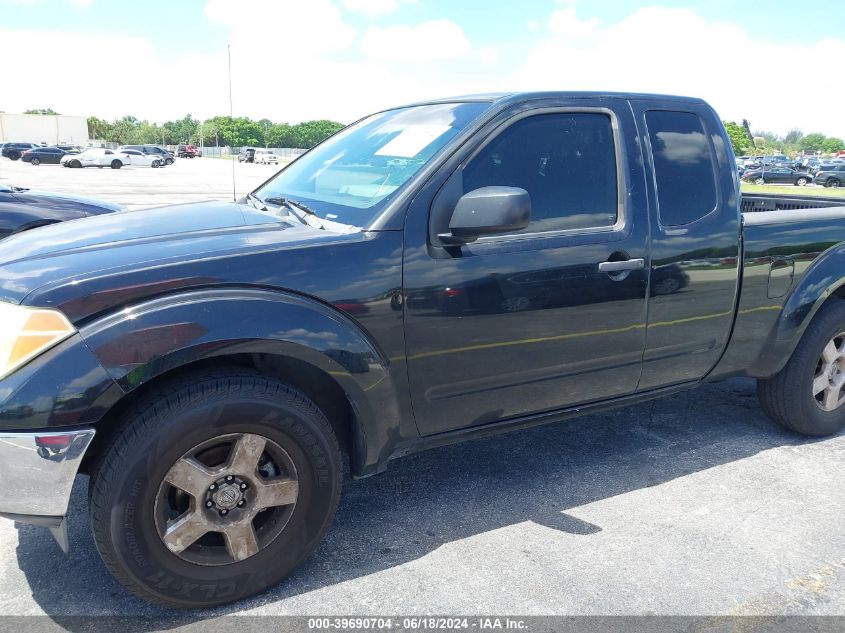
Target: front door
column 547, row 317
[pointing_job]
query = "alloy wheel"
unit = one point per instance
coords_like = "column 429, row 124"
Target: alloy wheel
column 829, row 378
column 226, row 499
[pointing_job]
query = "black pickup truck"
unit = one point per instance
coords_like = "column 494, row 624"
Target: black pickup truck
column 429, row 274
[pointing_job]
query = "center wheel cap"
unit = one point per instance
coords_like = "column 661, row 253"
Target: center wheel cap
column 227, row 496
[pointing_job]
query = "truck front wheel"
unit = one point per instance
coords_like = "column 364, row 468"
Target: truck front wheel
column 808, row 395
column 215, row 488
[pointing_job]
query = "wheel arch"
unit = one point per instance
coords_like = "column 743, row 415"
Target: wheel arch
column 304, row 342
column 821, row 284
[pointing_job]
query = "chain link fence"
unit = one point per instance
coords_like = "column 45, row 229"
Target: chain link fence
column 284, row 153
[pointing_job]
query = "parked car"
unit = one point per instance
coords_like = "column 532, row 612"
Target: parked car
column 140, row 159
column 188, row 151
column 199, row 361
column 781, row 175
column 22, row 209
column 14, row 151
column 43, row 155
column 166, row 156
column 807, row 164
column 831, row 175
column 266, row 157
column 95, row 157
column 246, row 155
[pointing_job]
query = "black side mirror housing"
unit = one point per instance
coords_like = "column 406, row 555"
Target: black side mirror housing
column 488, row 211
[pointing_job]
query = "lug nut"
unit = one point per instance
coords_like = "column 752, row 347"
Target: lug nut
column 243, row 486
column 240, row 503
column 209, row 503
column 229, row 478
column 212, row 486
column 224, row 512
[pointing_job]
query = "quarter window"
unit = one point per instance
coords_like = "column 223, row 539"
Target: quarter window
column 683, row 166
column 565, row 161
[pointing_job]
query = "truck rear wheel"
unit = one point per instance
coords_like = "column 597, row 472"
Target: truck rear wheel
column 215, row 488
column 808, row 395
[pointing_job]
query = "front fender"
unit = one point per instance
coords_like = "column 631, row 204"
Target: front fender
column 138, row 344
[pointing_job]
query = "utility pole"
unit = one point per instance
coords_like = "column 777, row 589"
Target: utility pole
column 232, row 118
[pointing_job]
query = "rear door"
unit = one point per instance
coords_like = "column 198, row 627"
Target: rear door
column 695, row 240
column 528, row 322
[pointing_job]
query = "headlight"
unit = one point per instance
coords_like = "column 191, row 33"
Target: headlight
column 27, row 332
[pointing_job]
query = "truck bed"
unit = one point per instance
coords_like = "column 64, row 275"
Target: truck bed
column 784, row 239
column 758, row 202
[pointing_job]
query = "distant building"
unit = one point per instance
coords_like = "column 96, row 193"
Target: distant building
column 43, row 128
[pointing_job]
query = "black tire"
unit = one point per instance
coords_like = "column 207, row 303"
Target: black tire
column 75, row 164
column 787, row 397
column 35, row 162
column 760, row 181
column 833, row 182
column 157, row 432
column 801, row 182
column 168, row 161
column 14, row 155
column 116, row 164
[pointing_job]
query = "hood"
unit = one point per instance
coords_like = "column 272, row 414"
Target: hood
column 167, row 240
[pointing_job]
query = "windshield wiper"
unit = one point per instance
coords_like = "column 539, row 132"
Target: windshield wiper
column 255, row 201
column 308, row 216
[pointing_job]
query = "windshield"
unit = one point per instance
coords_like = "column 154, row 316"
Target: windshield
column 354, row 174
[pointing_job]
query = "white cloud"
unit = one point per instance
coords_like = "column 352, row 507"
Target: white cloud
column 432, row 40
column 300, row 59
column 284, row 25
column 374, row 7
column 677, row 51
column 565, row 23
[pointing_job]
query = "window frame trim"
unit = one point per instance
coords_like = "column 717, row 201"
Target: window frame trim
column 621, row 189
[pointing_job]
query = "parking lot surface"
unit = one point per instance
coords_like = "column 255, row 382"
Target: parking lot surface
column 691, row 505
column 187, row 180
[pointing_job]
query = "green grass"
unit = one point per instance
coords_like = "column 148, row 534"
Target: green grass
column 791, row 190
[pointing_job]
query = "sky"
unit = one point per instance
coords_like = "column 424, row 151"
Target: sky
column 294, row 60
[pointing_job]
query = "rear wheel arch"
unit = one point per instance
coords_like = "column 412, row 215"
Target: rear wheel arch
column 821, row 284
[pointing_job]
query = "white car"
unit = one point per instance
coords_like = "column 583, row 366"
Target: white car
column 266, row 156
column 95, row 157
column 140, row 159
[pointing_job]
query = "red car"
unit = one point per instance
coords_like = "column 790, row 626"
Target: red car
column 188, row 151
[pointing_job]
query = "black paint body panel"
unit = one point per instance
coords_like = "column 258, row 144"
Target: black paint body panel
column 429, row 343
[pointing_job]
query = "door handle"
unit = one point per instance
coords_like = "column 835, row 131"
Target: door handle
column 620, row 266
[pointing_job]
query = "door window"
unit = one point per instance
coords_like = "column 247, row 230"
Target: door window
column 565, row 161
column 683, row 166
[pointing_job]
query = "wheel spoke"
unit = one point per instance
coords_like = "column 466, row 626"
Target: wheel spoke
column 240, row 540
column 831, row 398
column 282, row 492
column 820, row 383
column 185, row 531
column 245, row 454
column 190, row 476
column 830, row 353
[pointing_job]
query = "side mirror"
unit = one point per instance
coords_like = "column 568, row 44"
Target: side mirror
column 488, row 211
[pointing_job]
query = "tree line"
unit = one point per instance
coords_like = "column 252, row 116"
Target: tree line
column 220, row 131
column 243, row 131
column 745, row 142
